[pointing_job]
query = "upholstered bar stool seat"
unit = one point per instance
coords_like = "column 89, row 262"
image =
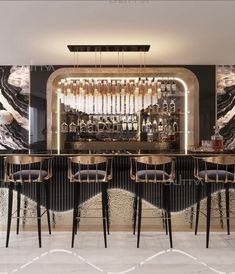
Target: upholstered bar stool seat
column 26, row 175
column 220, row 175
column 151, row 175
column 90, row 175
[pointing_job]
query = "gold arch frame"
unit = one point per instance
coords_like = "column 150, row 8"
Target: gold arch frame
column 187, row 77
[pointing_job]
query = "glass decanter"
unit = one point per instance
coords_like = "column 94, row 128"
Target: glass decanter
column 217, row 140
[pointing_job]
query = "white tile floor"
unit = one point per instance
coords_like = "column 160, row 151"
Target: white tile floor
column 89, row 255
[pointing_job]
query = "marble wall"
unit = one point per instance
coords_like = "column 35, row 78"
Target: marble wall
column 14, row 105
column 226, row 104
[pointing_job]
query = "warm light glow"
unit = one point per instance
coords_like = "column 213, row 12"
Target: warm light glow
column 186, row 114
column 134, row 82
column 58, row 122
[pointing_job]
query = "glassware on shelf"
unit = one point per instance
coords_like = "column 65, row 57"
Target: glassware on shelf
column 206, row 145
column 217, row 140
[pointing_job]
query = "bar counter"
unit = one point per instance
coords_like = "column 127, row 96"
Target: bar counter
column 182, row 192
column 117, row 152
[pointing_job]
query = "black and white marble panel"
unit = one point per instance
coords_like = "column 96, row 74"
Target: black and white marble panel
column 14, row 107
column 226, row 104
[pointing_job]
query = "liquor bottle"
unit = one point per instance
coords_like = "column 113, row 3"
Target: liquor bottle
column 135, row 124
column 148, row 125
column 160, row 125
column 150, row 135
column 104, row 124
column 217, row 140
column 172, row 106
column 168, row 86
column 115, row 124
column 129, row 124
column 143, row 126
column 72, row 127
column 119, row 125
column 94, row 125
column 89, row 125
column 155, row 126
column 165, row 106
column 171, row 134
column 78, row 125
column 124, row 124
column 100, row 125
column 64, row 127
column 109, row 124
column 83, row 127
column 173, row 87
column 157, row 108
column 175, row 127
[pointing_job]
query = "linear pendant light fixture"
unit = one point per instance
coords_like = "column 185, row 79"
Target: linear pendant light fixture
column 109, row 48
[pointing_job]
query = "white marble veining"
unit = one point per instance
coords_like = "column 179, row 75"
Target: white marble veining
column 14, row 103
column 226, row 103
column 89, row 255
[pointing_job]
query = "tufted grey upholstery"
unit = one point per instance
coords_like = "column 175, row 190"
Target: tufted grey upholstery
column 90, row 175
column 213, row 173
column 29, row 174
column 152, row 175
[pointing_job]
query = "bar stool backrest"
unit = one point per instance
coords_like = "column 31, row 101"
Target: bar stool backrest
column 27, row 163
column 156, row 163
column 223, row 163
column 91, row 165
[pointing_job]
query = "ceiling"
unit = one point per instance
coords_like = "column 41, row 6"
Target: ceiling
column 179, row 32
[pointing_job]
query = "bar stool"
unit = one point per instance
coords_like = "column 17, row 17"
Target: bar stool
column 217, row 169
column 152, row 169
column 24, row 169
column 90, row 169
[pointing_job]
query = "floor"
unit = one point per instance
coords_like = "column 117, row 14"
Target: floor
column 89, row 255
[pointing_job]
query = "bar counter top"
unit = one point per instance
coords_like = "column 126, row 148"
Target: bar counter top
column 116, row 152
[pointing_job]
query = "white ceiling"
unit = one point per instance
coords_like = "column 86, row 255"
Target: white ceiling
column 179, row 32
